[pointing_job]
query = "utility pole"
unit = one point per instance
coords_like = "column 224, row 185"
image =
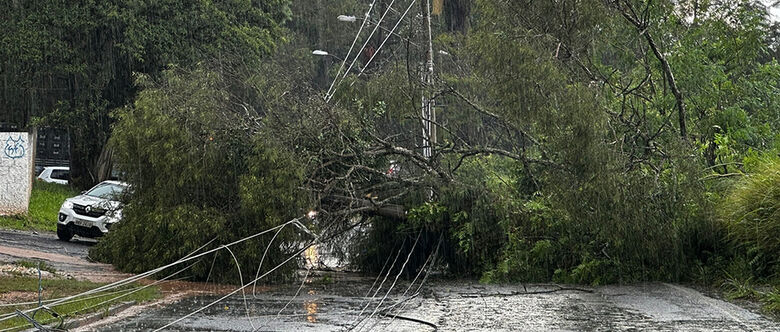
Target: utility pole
column 428, row 110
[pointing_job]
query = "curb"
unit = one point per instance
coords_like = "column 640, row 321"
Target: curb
column 91, row 318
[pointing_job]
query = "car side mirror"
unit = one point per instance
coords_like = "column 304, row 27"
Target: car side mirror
column 83, row 192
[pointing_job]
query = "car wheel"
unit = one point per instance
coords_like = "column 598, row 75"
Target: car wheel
column 63, row 233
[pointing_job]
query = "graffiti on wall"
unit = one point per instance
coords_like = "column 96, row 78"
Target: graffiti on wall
column 14, row 148
column 15, row 172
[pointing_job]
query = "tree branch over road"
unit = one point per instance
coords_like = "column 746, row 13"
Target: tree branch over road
column 641, row 24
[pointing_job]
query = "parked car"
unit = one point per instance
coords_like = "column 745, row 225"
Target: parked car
column 56, row 174
column 92, row 213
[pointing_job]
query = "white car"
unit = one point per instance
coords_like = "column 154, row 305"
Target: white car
column 92, row 213
column 55, row 174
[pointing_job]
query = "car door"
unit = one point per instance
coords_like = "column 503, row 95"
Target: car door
column 60, row 176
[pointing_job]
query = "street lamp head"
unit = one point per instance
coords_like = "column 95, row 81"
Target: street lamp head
column 346, row 18
column 320, row 53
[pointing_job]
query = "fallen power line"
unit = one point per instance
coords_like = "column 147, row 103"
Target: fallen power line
column 295, row 221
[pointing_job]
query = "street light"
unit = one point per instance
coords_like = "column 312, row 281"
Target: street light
column 346, row 18
column 325, row 53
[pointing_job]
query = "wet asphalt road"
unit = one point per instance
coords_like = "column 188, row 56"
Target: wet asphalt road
column 46, row 242
column 458, row 306
column 66, row 257
column 449, row 306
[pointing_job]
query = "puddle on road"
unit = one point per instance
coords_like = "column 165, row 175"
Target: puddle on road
column 311, row 308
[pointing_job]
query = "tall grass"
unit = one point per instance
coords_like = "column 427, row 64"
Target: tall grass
column 752, row 215
column 45, row 202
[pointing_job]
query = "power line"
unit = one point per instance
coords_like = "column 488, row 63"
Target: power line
column 434, row 255
column 386, row 38
column 262, row 259
column 378, row 287
column 182, row 260
column 365, row 21
column 392, row 31
column 241, row 280
column 316, row 239
column 401, row 270
column 357, row 55
column 124, row 281
column 125, row 291
column 297, row 292
column 311, row 243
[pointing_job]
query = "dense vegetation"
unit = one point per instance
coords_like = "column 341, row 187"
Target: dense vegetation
column 750, row 211
column 68, row 64
column 576, row 141
column 196, row 179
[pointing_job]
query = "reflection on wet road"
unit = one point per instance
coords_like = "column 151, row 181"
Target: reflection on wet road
column 311, row 308
column 460, row 306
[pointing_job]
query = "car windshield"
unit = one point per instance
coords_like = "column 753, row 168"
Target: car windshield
column 108, row 191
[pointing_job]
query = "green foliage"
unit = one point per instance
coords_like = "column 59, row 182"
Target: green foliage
column 196, row 178
column 738, row 280
column 752, row 214
column 614, row 228
column 70, row 63
column 772, row 301
column 740, row 283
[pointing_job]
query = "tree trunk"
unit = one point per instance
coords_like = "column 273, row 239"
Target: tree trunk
column 105, row 163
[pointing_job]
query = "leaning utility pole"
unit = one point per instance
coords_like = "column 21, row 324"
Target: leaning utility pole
column 428, row 110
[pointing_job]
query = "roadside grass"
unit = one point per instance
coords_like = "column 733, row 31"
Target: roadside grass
column 57, row 288
column 45, row 202
column 767, row 294
column 772, row 301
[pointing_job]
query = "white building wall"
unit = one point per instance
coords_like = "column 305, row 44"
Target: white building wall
column 16, row 162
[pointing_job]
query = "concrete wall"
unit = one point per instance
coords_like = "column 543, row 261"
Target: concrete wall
column 16, row 162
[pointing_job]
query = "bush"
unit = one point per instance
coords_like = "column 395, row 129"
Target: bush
column 752, row 214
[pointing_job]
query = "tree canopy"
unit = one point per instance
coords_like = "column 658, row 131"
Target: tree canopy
column 68, row 64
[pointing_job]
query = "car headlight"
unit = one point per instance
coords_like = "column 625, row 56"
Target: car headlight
column 67, row 205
